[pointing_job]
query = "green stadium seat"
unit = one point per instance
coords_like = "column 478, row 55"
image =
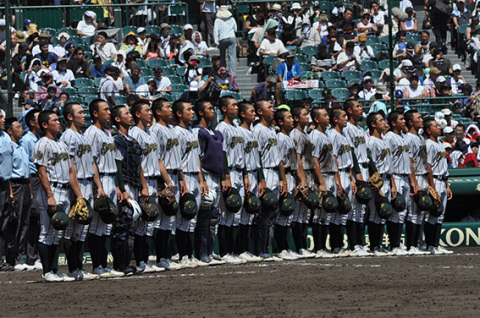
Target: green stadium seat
column 205, row 63
column 238, row 97
column 351, row 75
column 97, row 81
column 141, row 63
column 108, row 62
column 341, row 94
column 69, row 90
column 120, row 100
column 335, row 83
column 147, row 72
column 157, row 62
column 129, row 28
column 77, row 99
column 82, row 82
column 90, row 99
column 368, row 65
column 169, row 72
column 295, row 95
column 373, row 40
column 176, row 29
column 301, row 58
column 386, row 64
column 181, row 70
column 176, row 80
column 305, row 67
column 415, row 38
column 329, row 75
column 179, row 87
column 315, row 94
column 87, row 91
column 152, row 29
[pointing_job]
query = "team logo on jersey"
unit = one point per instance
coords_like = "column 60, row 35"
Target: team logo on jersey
column 272, row 142
column 191, row 145
column 385, row 152
column 250, row 146
column 57, row 157
column 423, row 151
column 235, row 141
column 327, row 147
column 83, row 149
column 401, row 150
column 39, row 155
column 149, row 148
column 106, row 147
column 172, row 143
column 440, row 156
column 291, row 152
column 359, row 140
column 344, row 149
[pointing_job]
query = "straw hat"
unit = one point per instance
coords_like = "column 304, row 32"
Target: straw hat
column 32, row 28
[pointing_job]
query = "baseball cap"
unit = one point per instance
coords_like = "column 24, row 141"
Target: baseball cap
column 410, row 46
column 193, row 86
column 2, row 22
column 456, row 67
column 151, row 80
column 448, row 130
column 157, row 69
column 367, row 78
column 141, row 30
column 165, row 25
column 284, row 106
column 289, row 55
column 340, row 32
column 27, row 21
column 30, row 101
column 407, row 63
column 446, row 112
column 434, row 70
column 188, row 27
column 296, row 6
column 362, row 37
column 441, row 79
column 64, row 35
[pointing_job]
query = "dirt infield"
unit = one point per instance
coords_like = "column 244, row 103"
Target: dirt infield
column 408, row 286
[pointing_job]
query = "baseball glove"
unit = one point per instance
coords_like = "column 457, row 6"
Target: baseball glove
column 101, row 204
column 375, row 182
column 435, row 197
column 80, row 211
column 166, row 196
column 149, row 208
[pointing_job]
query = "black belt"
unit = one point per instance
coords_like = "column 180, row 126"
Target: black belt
column 288, row 170
column 364, row 165
column 172, row 171
column 20, row 180
column 387, row 176
column 61, row 185
column 344, row 170
column 87, row 179
column 103, row 174
column 152, row 178
column 441, row 178
column 273, row 168
column 329, row 172
column 401, row 174
column 34, row 175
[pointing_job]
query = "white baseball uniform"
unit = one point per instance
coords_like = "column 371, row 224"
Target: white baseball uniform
column 288, row 154
column 437, row 159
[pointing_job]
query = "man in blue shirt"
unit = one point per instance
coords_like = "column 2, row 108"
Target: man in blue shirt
column 17, row 218
column 99, row 69
column 134, row 81
column 47, row 58
column 288, row 70
column 6, row 167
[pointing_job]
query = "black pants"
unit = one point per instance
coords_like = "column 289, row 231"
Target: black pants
column 206, row 27
column 4, row 206
column 22, row 195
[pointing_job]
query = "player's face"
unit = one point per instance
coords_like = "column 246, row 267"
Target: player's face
column 357, row 111
column 435, row 130
column 17, row 130
column 103, row 113
column 400, row 123
column 54, row 126
column 303, row 118
column 380, row 124
column 232, row 109
column 342, row 120
column 267, row 111
column 417, row 121
column 209, row 112
column 2, row 122
column 188, row 114
column 323, row 118
column 126, row 118
column 166, row 112
column 249, row 115
column 78, row 116
column 145, row 114
column 288, row 121
column 459, row 132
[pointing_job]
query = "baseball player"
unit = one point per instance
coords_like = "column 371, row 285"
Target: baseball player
column 253, row 166
column 418, row 158
column 272, row 163
column 325, row 171
column 214, row 169
column 16, row 232
column 27, row 142
column 171, row 155
column 81, row 157
column 153, row 168
column 6, row 168
column 381, row 155
column 305, row 175
column 344, row 179
column 401, row 170
column 288, row 155
column 357, row 137
column 57, row 176
column 191, row 178
column 232, row 146
column 438, row 179
column 105, row 155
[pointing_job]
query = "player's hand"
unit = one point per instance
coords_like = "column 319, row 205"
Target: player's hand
column 339, row 190
column 145, row 193
column 183, row 187
column 283, row 187
column 449, row 193
column 125, row 197
column 416, row 189
column 101, row 192
column 170, row 186
column 203, row 188
column 354, row 187
column 359, row 177
column 394, row 191
column 246, row 182
column 52, row 204
column 261, row 188
column 322, row 188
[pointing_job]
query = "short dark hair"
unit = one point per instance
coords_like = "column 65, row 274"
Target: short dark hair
column 178, row 106
column 104, row 34
column 78, row 49
column 200, row 106
column 9, row 122
column 215, row 58
column 68, row 110
column 30, row 116
column 157, row 105
column 94, row 104
column 280, row 115
column 427, row 124
column 136, row 107
column 296, row 111
column 371, row 118
column 335, row 113
column 462, row 126
column 44, row 117
column 393, row 117
column 242, row 107
column 409, row 116
column 348, row 104
column 315, row 113
column 116, row 112
column 224, row 101
column 259, row 104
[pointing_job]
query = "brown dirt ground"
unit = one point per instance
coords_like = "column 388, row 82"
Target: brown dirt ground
column 441, row 286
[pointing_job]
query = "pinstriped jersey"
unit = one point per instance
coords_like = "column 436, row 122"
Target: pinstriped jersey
column 381, row 154
column 437, row 158
column 357, row 137
column 150, row 154
column 400, row 153
column 80, row 150
column 103, row 149
column 341, row 149
column 304, row 148
column 54, row 155
column 418, row 153
column 190, row 151
column 268, row 145
column 288, row 154
column 323, row 151
column 232, row 144
column 250, row 149
column 168, row 146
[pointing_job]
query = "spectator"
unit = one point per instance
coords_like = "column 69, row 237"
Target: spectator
column 460, row 134
column 133, row 81
column 330, row 37
column 405, row 4
column 270, row 44
column 448, row 117
column 439, row 19
column 449, row 134
column 354, row 89
column 365, row 26
column 131, row 43
column 32, row 76
column 458, row 154
column 108, row 17
column 60, row 48
column 186, row 51
column 13, row 48
column 260, row 91
column 224, row 35
column 460, row 15
column 401, row 71
column 226, row 80
column 164, row 85
column 88, row 25
column 69, row 50
column 415, row 90
column 20, row 63
column 187, row 32
column 429, row 55
column 201, row 48
column 348, row 60
column 152, row 49
column 107, row 88
column 368, row 91
column 193, row 69
column 78, row 65
column 216, row 63
column 429, row 83
column 142, row 36
column 255, row 21
column 147, row 91
column 120, row 62
column 350, row 33
column 363, row 50
column 337, row 46
column 295, row 18
column 322, row 24
column 276, row 15
column 472, row 26
column 307, row 36
column 411, row 24
column 164, row 35
column 288, row 70
column 423, row 47
column 399, row 49
column 323, row 61
column 132, row 99
column 62, row 76
column 50, row 99
column 140, row 13
column 42, row 39
column 288, row 36
column 98, row 69
column 173, row 49
column 346, row 16
column 457, row 78
column 207, row 19
column 3, row 29
column 378, row 18
column 192, row 94
column 45, row 57
column 440, row 62
column 104, row 49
